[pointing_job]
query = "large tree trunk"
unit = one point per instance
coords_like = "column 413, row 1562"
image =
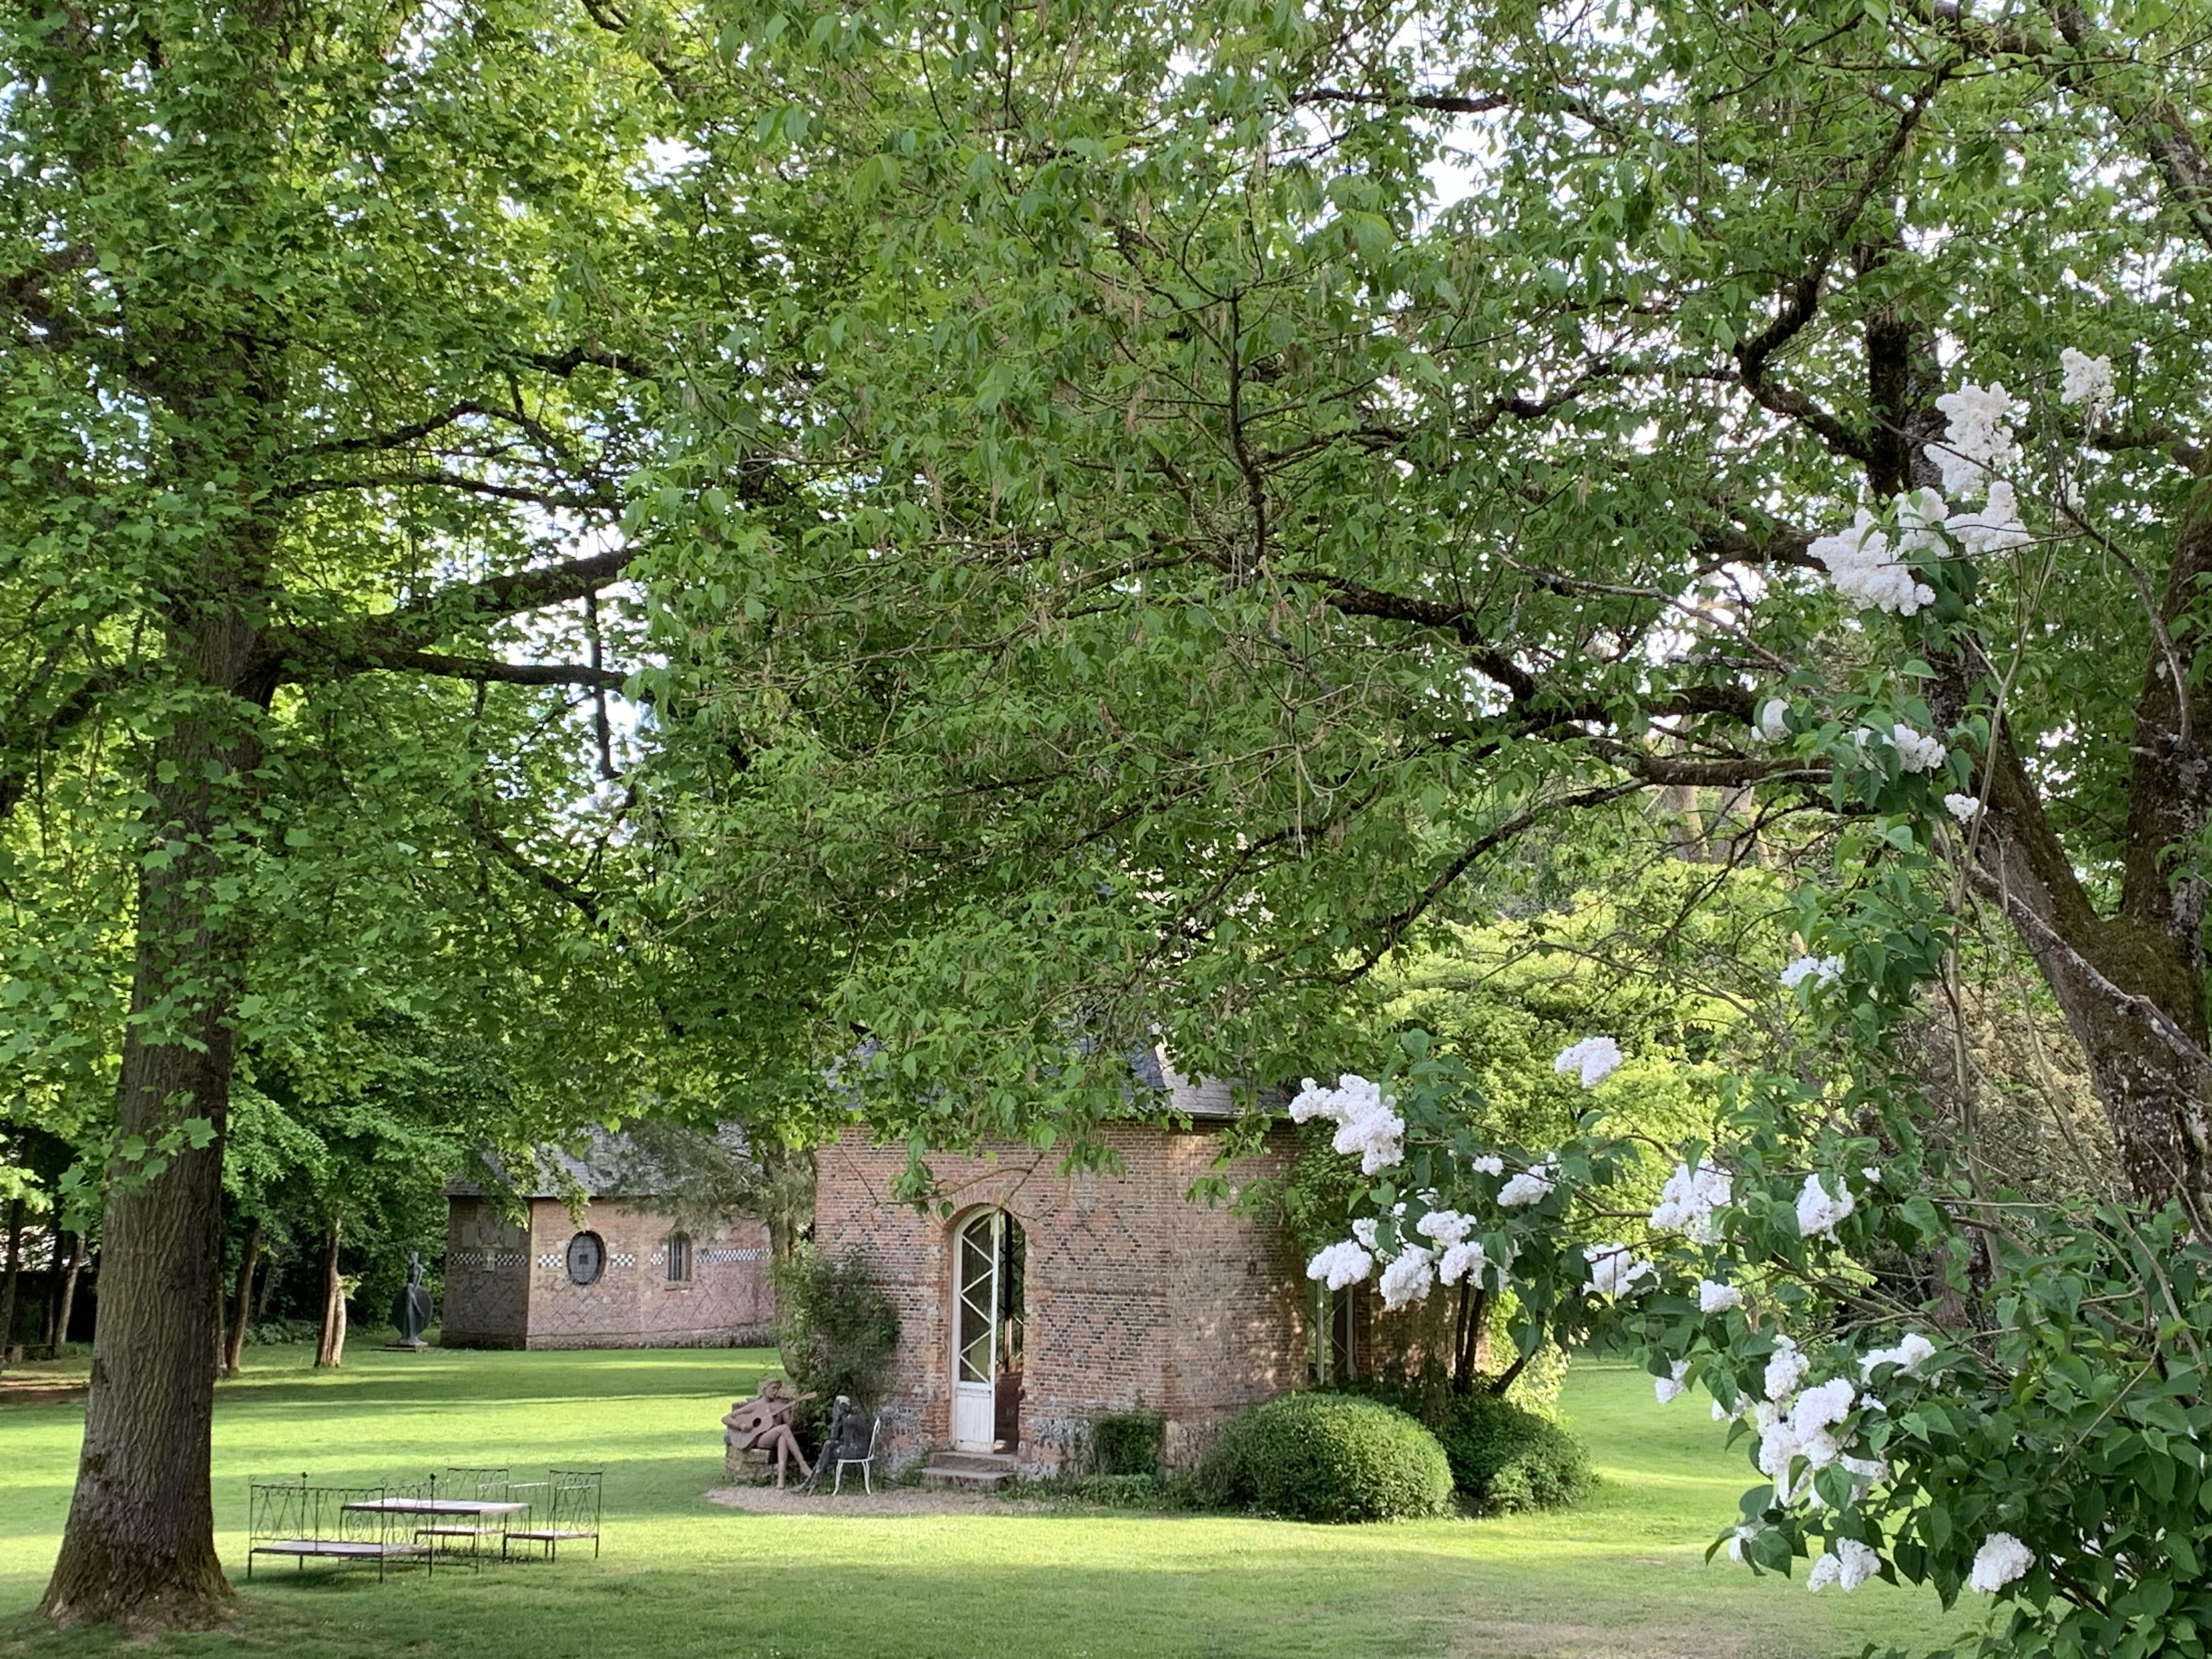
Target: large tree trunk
column 10, row 1276
column 241, row 1306
column 329, row 1347
column 139, row 1547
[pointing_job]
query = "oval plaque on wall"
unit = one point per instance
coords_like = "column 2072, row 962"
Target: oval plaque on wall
column 588, row 1259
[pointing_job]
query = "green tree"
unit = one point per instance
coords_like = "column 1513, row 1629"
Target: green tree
column 327, row 334
column 1287, row 457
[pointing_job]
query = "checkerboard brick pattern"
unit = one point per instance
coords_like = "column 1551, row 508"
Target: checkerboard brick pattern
column 1135, row 1297
column 508, row 1286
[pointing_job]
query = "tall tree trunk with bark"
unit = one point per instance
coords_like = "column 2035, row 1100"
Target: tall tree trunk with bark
column 241, row 1306
column 329, row 1347
column 139, row 1547
column 10, row 1276
column 65, row 1305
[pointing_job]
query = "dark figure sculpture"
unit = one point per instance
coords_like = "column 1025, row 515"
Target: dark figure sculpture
column 411, row 1313
column 850, row 1440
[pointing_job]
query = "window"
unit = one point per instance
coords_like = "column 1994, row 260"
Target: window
column 588, row 1259
column 679, row 1258
column 1336, row 1356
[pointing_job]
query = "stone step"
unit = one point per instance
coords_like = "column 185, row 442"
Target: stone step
column 973, row 1470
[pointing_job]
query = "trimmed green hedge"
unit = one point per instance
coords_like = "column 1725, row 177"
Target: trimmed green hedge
column 1504, row 1459
column 1326, row 1457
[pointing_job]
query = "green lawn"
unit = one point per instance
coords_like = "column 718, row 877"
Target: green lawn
column 1621, row 1576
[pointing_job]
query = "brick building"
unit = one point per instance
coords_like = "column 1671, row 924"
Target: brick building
column 1047, row 1300
column 629, row 1277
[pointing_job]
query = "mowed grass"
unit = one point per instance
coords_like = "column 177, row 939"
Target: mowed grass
column 1622, row 1576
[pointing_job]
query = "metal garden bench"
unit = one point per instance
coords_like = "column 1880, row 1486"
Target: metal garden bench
column 571, row 1498
column 332, row 1523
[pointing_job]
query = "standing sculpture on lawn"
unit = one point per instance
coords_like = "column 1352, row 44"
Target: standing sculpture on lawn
column 763, row 1423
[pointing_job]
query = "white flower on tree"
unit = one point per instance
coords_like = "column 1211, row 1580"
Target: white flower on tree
column 1363, row 1229
column 1977, row 440
column 2001, row 1560
column 1785, row 1370
column 1445, row 1227
column 1669, row 1388
column 1992, row 527
column 1860, row 563
column 1714, row 1297
column 1820, row 1212
column 1688, row 1200
column 1823, row 970
column 1488, row 1163
column 1908, row 1356
column 1596, row 1057
column 1365, row 1123
column 2085, row 380
column 1339, row 1265
column 1965, row 808
column 1409, row 1278
column 1917, row 753
column 1464, row 1261
column 1847, row 1566
column 1614, row 1270
column 1531, row 1186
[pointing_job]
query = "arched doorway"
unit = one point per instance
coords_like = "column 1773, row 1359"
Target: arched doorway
column 987, row 1334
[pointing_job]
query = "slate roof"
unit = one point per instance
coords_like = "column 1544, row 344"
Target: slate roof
column 607, row 1165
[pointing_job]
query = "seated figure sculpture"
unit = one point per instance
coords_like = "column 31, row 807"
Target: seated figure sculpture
column 763, row 1423
column 852, row 1437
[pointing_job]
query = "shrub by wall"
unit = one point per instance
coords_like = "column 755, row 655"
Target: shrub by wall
column 1504, row 1459
column 1326, row 1457
column 1128, row 1442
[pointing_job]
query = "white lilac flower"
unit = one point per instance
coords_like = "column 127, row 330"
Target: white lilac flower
column 1847, row 1566
column 1531, row 1186
column 1965, row 808
column 1992, row 527
column 1872, row 1175
column 1860, row 1563
column 2001, row 1559
column 1785, row 1370
column 1409, row 1278
column 1614, row 1270
column 1339, row 1265
column 1465, row 1261
column 1977, row 440
column 1860, row 564
column 1820, row 1212
column 1773, row 723
column 1688, row 1200
column 1489, row 1164
column 1445, row 1227
column 1908, row 1356
column 1715, row 1297
column 1596, row 1057
column 2086, row 380
column 1364, row 1231
column 1721, row 1414
column 1920, row 522
column 1748, row 1534
column 1867, row 1472
column 1917, row 753
column 1669, row 1388
column 1822, row 970
column 1823, row 1406
column 1365, row 1123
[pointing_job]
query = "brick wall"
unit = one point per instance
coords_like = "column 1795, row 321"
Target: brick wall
column 508, row 1288
column 1134, row 1298
column 487, row 1278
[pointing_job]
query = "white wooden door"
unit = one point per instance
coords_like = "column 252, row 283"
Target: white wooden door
column 975, row 1334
